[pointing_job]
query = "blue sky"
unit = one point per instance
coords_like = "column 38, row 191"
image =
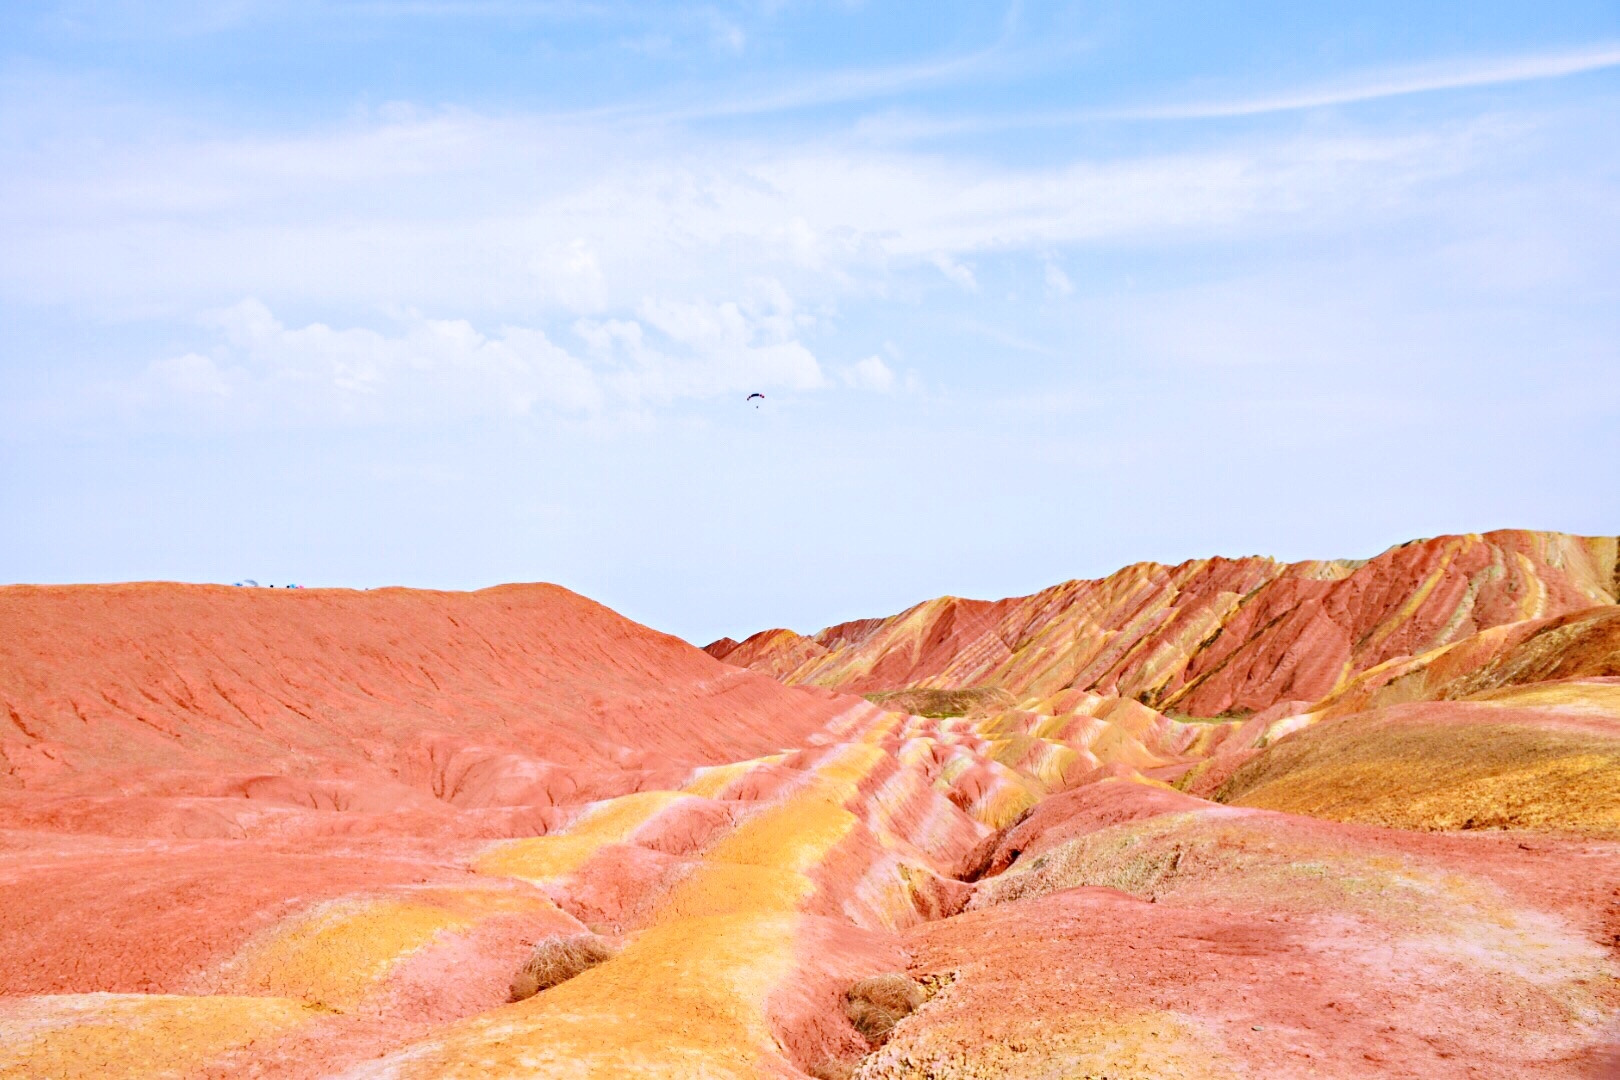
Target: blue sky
column 450, row 294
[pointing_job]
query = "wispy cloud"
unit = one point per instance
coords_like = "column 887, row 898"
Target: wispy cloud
column 961, row 275
column 1453, row 75
column 901, row 126
column 789, row 91
column 813, row 90
column 527, row 219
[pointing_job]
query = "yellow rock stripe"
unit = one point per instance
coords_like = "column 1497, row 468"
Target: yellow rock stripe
column 762, row 865
column 1582, row 696
column 710, row 781
column 335, row 953
column 548, row 858
column 683, row 1000
column 137, row 1036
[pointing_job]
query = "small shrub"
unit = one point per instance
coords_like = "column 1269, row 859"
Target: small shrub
column 876, row 1004
column 556, row 960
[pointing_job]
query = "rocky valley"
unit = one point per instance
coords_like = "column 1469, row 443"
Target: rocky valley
column 1232, row 818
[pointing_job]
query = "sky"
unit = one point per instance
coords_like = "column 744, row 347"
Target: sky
column 440, row 294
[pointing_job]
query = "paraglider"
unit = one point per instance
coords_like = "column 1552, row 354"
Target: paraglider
column 751, row 397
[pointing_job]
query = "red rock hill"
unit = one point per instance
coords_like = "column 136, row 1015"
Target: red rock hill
column 1210, row 636
column 487, row 697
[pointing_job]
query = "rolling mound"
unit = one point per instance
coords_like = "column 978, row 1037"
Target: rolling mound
column 518, row 695
column 329, row 833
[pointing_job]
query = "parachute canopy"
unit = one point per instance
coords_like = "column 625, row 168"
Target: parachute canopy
column 751, row 397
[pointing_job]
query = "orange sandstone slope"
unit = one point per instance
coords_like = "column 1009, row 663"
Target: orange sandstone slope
column 1208, row 637
column 517, row 694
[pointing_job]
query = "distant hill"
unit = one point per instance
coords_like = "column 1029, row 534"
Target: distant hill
column 1209, row 637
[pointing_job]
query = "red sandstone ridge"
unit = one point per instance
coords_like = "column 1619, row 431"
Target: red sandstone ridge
column 523, row 694
column 1208, row 637
column 777, row 653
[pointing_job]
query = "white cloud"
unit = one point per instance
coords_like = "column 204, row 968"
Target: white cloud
column 525, row 219
column 956, row 272
column 707, row 349
column 573, row 274
column 614, row 263
column 443, row 368
column 869, row 374
column 428, row 368
column 1057, row 282
column 191, row 374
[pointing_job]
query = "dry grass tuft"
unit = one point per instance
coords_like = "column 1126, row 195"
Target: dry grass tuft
column 876, row 1004
column 975, row 702
column 556, row 960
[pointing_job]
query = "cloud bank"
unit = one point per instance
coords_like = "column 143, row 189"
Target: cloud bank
column 418, row 369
